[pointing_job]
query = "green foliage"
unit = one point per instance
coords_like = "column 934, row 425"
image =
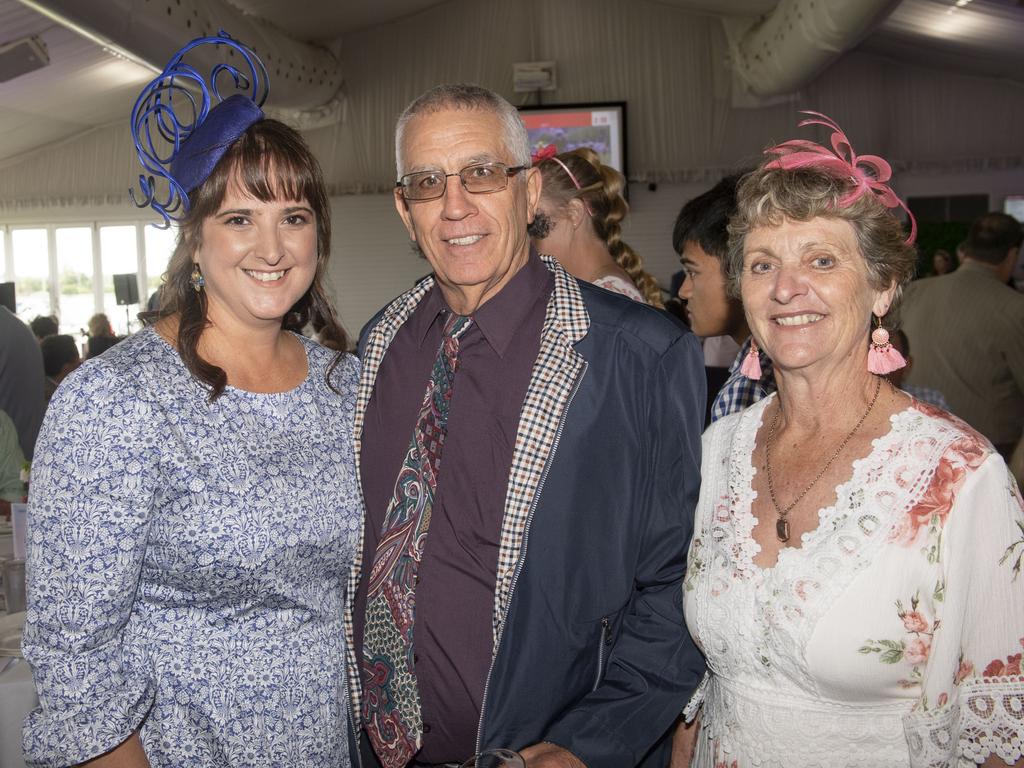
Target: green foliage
column 28, row 285
column 74, row 283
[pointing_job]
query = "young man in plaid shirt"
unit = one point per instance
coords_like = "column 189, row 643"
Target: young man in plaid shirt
column 701, row 239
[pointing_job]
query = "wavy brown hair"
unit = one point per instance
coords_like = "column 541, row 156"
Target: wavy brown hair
column 271, row 162
column 601, row 189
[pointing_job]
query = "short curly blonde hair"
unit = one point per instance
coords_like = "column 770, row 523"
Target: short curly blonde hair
column 768, row 196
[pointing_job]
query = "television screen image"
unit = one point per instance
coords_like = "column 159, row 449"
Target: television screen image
column 602, row 127
column 1014, row 205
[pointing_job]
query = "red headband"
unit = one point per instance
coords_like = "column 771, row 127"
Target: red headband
column 550, row 152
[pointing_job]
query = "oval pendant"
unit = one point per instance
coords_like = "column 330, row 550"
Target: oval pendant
column 782, row 529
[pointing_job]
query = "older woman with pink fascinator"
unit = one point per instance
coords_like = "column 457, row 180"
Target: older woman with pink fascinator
column 855, row 574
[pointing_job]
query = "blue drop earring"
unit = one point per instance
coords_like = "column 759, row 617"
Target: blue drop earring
column 197, row 279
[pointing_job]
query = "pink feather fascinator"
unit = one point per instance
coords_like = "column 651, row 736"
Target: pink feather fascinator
column 868, row 173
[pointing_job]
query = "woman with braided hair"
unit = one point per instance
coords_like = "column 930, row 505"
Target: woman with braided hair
column 579, row 222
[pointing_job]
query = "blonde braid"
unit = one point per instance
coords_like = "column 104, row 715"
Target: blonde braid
column 610, row 208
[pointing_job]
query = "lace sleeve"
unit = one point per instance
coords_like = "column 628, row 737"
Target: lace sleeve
column 972, row 702
column 696, row 700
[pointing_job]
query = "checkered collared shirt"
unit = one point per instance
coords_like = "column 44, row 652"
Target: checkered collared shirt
column 738, row 392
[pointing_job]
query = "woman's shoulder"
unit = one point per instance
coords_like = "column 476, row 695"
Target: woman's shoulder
column 736, row 424
column 120, row 366
column 949, row 433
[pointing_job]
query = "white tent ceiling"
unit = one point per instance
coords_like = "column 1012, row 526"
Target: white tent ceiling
column 88, row 85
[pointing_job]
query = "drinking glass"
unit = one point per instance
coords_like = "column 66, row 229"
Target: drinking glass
column 14, row 586
column 495, row 758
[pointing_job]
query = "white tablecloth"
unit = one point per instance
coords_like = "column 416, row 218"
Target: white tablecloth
column 17, row 699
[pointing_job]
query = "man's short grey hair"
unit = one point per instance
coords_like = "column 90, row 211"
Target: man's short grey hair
column 463, row 96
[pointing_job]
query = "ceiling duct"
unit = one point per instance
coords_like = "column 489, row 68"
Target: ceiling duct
column 305, row 80
column 779, row 53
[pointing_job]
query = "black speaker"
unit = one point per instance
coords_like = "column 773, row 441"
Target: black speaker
column 126, row 288
column 7, row 296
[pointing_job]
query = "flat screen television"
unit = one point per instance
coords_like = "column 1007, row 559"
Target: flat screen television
column 600, row 126
column 1014, row 205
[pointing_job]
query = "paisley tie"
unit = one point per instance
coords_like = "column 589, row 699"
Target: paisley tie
column 391, row 709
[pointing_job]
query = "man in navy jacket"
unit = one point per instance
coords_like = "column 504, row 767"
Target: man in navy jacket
column 548, row 601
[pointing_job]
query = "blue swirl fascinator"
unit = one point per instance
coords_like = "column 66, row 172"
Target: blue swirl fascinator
column 180, row 133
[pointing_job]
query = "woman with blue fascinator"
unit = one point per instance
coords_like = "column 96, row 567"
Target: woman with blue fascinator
column 194, row 509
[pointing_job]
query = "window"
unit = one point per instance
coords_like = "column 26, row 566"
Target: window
column 159, row 247
column 57, row 271
column 31, row 272
column 75, row 292
column 118, row 251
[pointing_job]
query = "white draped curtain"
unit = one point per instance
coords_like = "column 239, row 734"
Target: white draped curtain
column 667, row 63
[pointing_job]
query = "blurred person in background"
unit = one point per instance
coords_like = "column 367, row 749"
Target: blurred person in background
column 44, row 325
column 22, row 379
column 701, row 238
column 943, row 262
column 579, row 222
column 60, row 357
column 967, row 330
column 101, row 336
column 12, row 460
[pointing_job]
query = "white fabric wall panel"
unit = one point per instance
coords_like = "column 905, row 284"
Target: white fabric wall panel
column 372, row 260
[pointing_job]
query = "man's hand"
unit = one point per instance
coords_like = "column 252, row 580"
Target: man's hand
column 545, row 755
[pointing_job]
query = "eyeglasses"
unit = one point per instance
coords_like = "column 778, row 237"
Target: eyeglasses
column 478, row 178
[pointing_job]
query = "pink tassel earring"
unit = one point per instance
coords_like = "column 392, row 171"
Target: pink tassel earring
column 751, row 367
column 883, row 357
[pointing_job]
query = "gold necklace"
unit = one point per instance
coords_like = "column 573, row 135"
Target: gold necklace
column 782, row 524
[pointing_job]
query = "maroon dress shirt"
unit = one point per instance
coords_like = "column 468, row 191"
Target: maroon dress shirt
column 455, row 591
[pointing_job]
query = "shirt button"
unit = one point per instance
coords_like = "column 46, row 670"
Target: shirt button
column 426, row 728
column 415, row 658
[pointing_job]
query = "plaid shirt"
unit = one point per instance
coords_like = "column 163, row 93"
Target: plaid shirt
column 738, row 392
column 927, row 395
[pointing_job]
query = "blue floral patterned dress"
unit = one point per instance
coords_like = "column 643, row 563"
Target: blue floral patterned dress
column 188, row 564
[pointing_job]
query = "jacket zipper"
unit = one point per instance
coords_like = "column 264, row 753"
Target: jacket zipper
column 522, row 551
column 605, row 623
column 357, row 759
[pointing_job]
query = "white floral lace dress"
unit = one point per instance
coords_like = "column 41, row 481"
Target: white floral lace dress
column 187, row 565
column 892, row 636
